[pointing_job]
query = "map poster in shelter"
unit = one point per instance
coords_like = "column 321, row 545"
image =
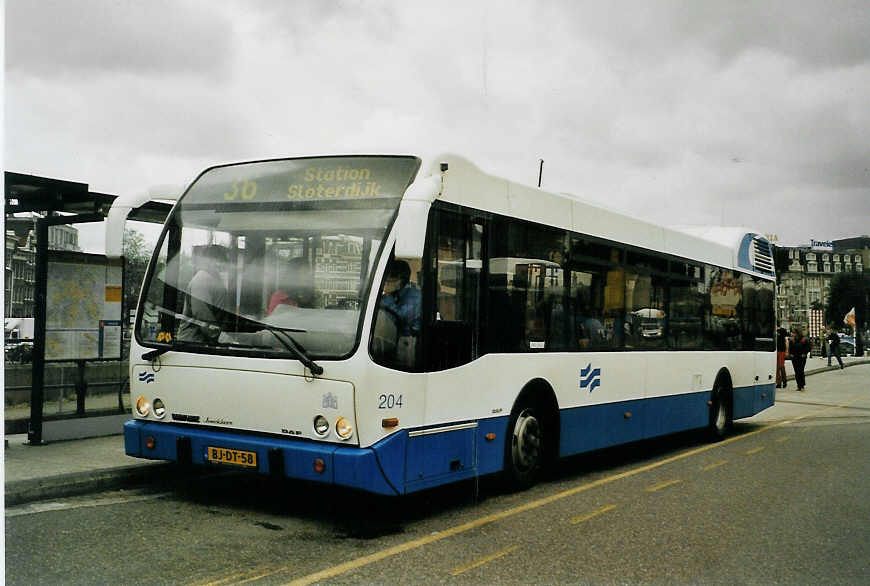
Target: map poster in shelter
column 83, row 307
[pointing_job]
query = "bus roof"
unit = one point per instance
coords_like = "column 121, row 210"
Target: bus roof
column 465, row 184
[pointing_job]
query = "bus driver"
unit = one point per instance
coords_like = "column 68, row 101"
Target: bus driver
column 401, row 300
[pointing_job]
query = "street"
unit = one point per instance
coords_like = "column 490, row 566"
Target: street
column 783, row 500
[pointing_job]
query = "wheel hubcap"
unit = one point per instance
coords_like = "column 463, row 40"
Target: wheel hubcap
column 527, row 441
column 720, row 416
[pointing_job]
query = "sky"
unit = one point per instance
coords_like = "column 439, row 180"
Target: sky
column 752, row 114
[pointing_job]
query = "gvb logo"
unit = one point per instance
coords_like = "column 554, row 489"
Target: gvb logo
column 146, row 377
column 590, row 378
column 330, row 401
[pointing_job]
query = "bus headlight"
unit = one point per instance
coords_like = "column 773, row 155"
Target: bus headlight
column 142, row 406
column 343, row 428
column 321, row 425
column 159, row 408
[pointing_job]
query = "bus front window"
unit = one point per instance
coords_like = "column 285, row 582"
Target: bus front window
column 257, row 252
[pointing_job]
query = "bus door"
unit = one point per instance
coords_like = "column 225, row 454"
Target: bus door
column 457, row 263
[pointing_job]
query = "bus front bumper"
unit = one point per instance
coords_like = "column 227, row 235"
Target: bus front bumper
column 378, row 469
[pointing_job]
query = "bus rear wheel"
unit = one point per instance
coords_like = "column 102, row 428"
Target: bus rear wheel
column 525, row 450
column 720, row 413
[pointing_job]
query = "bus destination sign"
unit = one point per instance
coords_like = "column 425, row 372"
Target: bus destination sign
column 330, row 178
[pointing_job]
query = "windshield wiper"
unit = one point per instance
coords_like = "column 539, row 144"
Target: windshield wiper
column 294, row 347
column 152, row 355
column 286, row 340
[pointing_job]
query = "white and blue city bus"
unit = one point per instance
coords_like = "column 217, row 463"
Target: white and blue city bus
column 535, row 325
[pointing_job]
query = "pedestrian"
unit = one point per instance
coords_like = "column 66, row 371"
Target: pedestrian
column 799, row 348
column 834, row 347
column 781, row 350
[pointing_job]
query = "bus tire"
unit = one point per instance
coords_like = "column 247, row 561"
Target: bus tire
column 525, row 451
column 720, row 411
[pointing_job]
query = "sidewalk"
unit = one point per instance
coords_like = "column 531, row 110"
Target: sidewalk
column 68, row 468
column 72, row 467
column 817, row 364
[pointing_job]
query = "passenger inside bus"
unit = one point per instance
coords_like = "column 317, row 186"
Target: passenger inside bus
column 297, row 286
column 206, row 299
column 590, row 330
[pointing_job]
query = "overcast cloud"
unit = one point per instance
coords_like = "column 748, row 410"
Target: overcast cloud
column 735, row 113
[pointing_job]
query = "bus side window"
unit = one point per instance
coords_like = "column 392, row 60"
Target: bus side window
column 723, row 332
column 596, row 296
column 526, row 293
column 645, row 314
column 686, row 315
column 757, row 323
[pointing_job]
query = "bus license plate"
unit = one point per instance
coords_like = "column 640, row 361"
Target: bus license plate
column 232, row 457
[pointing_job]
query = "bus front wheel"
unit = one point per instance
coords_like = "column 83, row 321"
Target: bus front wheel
column 525, row 447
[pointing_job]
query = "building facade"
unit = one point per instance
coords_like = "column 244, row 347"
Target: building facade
column 20, row 264
column 20, row 261
column 804, row 275
column 858, row 245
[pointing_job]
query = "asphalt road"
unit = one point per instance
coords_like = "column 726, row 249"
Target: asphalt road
column 784, row 500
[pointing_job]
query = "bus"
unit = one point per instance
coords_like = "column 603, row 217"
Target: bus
column 395, row 323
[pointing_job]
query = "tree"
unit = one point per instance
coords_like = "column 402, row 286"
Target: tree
column 848, row 290
column 137, row 252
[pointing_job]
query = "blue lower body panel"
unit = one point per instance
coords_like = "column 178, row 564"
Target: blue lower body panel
column 395, row 465
column 584, row 429
column 751, row 400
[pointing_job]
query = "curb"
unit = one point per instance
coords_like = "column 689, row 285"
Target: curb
column 829, row 368
column 77, row 483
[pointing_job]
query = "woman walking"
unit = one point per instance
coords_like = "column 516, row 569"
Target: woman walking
column 799, row 348
column 781, row 351
column 834, row 347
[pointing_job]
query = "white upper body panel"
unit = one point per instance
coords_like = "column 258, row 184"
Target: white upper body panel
column 465, row 184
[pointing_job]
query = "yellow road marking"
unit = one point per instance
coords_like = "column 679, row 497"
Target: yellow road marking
column 263, row 575
column 661, row 485
column 377, row 556
column 485, row 560
column 753, row 451
column 224, row 580
column 779, row 440
column 588, row 516
column 245, row 577
column 714, row 465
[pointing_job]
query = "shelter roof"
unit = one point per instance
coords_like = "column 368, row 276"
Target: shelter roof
column 33, row 193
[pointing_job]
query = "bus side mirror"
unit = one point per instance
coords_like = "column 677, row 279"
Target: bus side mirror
column 410, row 228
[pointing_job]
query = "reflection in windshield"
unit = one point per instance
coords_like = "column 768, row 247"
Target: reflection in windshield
column 241, row 258
column 207, row 295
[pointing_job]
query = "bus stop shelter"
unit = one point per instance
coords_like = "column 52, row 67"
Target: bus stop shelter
column 54, row 202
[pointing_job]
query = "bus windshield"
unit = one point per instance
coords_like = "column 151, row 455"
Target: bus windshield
column 256, row 253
